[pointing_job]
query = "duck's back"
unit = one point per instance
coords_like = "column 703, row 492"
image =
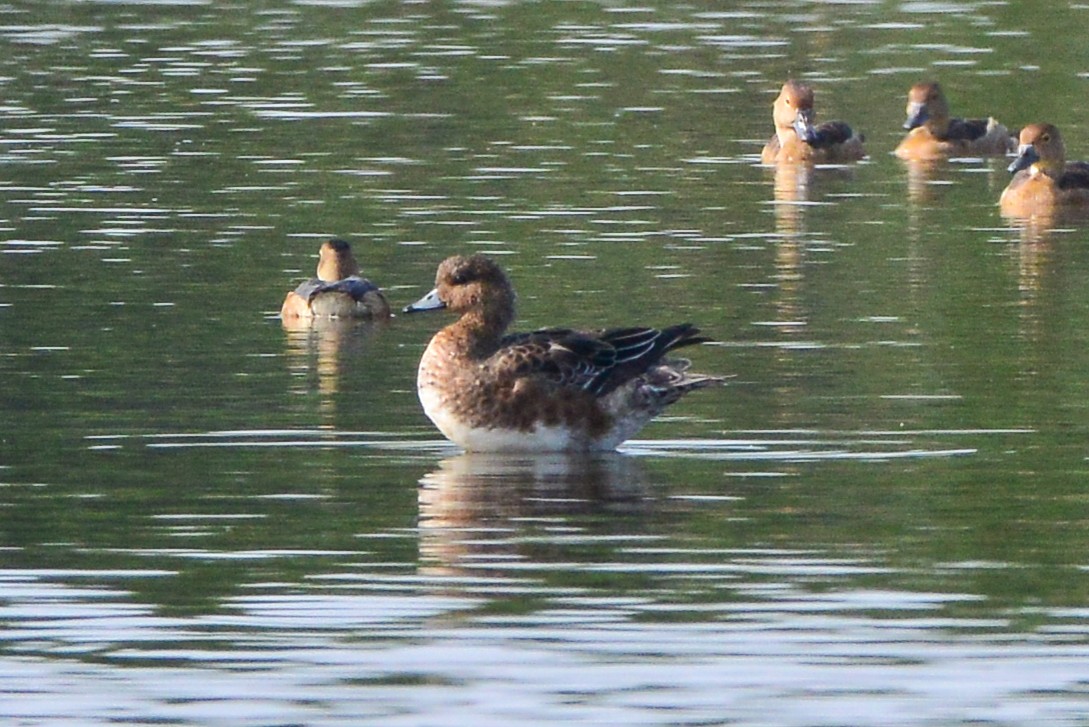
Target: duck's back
column 966, row 137
column 1075, row 178
column 352, row 297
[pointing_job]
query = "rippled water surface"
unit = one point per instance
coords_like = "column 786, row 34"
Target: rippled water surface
column 207, row 518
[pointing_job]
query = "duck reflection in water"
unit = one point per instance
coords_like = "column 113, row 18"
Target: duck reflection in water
column 794, row 188
column 925, row 179
column 476, row 510
column 321, row 352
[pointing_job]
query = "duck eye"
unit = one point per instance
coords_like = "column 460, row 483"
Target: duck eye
column 1045, row 138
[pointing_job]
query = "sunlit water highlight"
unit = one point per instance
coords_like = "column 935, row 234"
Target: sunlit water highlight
column 209, row 519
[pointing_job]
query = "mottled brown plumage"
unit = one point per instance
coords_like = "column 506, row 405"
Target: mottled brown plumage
column 549, row 390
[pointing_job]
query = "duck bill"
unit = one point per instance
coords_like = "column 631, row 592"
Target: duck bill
column 1026, row 157
column 917, row 115
column 803, row 126
column 430, row 301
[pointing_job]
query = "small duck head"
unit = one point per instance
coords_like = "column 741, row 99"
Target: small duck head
column 793, row 109
column 926, row 103
column 470, row 284
column 1040, row 150
column 335, row 261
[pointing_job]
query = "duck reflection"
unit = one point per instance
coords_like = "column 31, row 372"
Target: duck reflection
column 792, row 189
column 1033, row 255
column 925, row 177
column 1036, row 231
column 791, row 196
column 318, row 352
column 1039, row 225
column 476, row 510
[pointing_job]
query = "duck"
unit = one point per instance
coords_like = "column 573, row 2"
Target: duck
column 550, row 390
column 1043, row 180
column 338, row 291
column 798, row 140
column 934, row 134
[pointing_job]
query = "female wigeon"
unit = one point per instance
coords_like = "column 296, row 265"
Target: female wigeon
column 337, row 291
column 934, row 134
column 798, row 140
column 551, row 390
column 1043, row 180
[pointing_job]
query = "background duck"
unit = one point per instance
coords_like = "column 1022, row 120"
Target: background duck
column 934, row 134
column 338, row 291
column 551, row 390
column 1042, row 178
column 797, row 139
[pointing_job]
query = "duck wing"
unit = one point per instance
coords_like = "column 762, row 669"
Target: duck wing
column 1075, row 176
column 830, row 133
column 353, row 286
column 596, row 361
column 967, row 129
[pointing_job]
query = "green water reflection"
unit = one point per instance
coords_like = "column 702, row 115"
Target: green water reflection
column 907, row 410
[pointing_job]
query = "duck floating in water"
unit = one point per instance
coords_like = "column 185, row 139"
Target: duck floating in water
column 798, row 139
column 338, row 291
column 551, row 390
column 1043, row 181
column 934, row 134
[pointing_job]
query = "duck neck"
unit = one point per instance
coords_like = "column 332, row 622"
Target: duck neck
column 786, row 135
column 1047, row 168
column 482, row 328
column 938, row 126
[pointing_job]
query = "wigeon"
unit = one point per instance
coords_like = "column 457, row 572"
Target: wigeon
column 934, row 134
column 1043, row 181
column 551, row 390
column 337, row 291
column 797, row 139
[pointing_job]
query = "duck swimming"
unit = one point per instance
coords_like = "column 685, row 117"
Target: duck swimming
column 338, row 291
column 798, row 139
column 1043, row 181
column 550, row 390
column 934, row 134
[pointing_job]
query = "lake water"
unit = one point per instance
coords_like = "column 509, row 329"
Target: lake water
column 206, row 519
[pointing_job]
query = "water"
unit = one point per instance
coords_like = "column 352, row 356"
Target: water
column 208, row 519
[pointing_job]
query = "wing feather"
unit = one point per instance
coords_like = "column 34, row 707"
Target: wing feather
column 353, row 286
column 967, row 129
column 1075, row 176
column 596, row 361
column 830, row 133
